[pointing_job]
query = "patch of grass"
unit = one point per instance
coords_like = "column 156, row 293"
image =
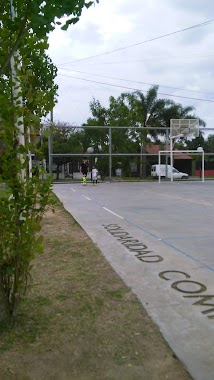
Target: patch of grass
column 115, row 294
column 79, row 318
column 41, row 301
column 62, row 297
column 26, row 332
column 55, row 200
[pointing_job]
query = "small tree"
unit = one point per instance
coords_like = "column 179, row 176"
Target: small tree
column 65, row 139
column 27, row 93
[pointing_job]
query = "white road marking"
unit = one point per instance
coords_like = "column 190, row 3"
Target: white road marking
column 113, row 213
column 86, row 197
column 72, row 189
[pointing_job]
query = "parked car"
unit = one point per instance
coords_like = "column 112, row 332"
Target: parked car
column 165, row 171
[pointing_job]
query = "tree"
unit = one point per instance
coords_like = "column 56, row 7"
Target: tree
column 27, row 93
column 153, row 112
column 66, row 139
column 208, row 145
column 36, row 17
column 117, row 114
column 196, row 142
column 139, row 111
column 146, row 111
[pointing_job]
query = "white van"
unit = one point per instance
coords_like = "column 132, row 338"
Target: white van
column 160, row 170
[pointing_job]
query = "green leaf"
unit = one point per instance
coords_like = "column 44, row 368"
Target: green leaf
column 39, row 248
column 10, row 271
column 87, row 5
column 64, row 27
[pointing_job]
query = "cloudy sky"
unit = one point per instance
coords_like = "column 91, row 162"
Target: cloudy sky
column 115, row 47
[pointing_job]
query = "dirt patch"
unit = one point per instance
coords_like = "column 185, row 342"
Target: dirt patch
column 79, row 320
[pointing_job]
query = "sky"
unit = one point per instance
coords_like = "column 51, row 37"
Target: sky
column 118, row 46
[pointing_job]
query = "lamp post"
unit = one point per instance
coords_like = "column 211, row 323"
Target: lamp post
column 201, row 150
column 141, row 159
column 90, row 150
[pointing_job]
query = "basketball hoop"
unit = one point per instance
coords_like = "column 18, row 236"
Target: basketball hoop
column 185, row 127
column 184, row 136
column 181, row 128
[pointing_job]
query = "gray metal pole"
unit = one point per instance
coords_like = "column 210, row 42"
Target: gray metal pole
column 50, row 144
column 167, row 148
column 203, row 166
column 110, row 151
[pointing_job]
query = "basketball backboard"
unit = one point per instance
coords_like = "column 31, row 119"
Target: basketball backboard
column 184, row 127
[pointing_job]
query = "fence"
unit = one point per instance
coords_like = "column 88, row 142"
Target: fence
column 126, row 163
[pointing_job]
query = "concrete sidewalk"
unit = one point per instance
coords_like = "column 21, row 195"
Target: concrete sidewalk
column 159, row 239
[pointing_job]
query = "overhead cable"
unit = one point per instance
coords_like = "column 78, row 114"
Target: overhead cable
column 136, row 89
column 143, row 42
column 133, row 81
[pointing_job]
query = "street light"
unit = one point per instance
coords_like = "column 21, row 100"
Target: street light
column 90, row 150
column 201, row 150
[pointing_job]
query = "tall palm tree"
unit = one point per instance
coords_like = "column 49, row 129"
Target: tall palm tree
column 146, row 111
column 149, row 111
column 139, row 111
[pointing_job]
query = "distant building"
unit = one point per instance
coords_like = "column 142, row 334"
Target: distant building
column 182, row 161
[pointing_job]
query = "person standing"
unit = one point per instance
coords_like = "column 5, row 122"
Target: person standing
column 94, row 175
column 84, row 169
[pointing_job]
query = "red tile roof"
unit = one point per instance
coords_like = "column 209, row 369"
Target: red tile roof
column 154, row 149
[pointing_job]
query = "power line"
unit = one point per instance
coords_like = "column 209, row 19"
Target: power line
column 143, row 42
column 135, row 89
column 133, row 81
column 154, row 59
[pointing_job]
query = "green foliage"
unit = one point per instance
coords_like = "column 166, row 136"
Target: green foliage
column 209, row 146
column 27, row 93
column 36, row 17
column 65, row 139
column 137, row 111
column 20, row 216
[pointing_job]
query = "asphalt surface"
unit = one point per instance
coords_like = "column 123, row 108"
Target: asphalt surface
column 160, row 239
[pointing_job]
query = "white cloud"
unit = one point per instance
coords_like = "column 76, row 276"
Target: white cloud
column 183, row 60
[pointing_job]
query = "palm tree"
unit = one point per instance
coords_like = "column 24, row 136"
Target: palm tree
column 139, row 111
column 149, row 111
column 146, row 111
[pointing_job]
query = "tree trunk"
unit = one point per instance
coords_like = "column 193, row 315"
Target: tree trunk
column 144, row 162
column 4, row 310
column 143, row 158
column 57, row 171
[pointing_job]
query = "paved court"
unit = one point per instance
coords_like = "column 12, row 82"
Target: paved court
column 160, row 239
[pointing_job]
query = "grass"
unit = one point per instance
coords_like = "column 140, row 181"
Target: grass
column 79, row 320
column 3, row 191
